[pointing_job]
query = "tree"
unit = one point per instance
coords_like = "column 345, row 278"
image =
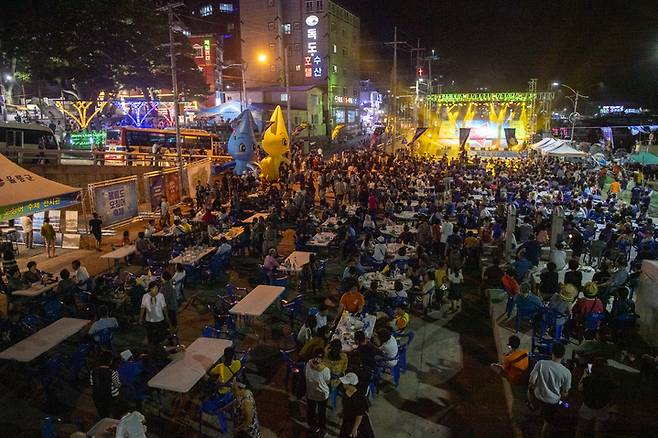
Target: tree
column 93, row 45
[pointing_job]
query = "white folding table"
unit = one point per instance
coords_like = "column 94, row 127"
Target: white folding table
column 35, row 290
column 257, row 301
column 120, row 253
column 183, row 373
column 48, row 337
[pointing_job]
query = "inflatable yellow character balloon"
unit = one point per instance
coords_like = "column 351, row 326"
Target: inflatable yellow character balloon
column 275, row 143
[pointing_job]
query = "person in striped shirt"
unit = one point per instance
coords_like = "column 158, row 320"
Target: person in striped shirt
column 105, row 385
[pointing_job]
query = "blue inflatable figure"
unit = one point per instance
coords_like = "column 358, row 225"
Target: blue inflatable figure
column 242, row 143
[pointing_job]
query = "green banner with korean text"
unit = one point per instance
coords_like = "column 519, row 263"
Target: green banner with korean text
column 8, row 212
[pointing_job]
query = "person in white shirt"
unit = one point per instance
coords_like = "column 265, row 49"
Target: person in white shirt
column 80, row 275
column 379, row 250
column 306, row 331
column 164, row 211
column 224, row 248
column 178, row 281
column 321, row 316
column 131, row 426
column 317, row 376
column 388, row 346
column 26, row 222
column 559, row 257
column 446, row 230
column 368, row 223
column 150, row 229
column 550, row 381
column 153, row 314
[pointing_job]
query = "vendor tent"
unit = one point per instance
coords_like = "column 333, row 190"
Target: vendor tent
column 23, row 192
column 542, row 142
column 564, row 150
column 644, row 158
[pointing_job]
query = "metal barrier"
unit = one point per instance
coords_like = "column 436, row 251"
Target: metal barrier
column 103, row 158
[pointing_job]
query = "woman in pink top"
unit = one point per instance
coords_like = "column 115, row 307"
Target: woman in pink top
column 270, row 263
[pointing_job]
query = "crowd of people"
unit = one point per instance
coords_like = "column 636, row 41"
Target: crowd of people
column 412, row 235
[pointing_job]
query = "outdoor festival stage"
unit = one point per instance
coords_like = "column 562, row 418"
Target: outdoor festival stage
column 479, row 121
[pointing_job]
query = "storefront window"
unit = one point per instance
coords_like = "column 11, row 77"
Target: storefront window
column 351, row 116
column 339, row 116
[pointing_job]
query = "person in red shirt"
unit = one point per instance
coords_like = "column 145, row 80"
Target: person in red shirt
column 352, row 301
column 512, row 288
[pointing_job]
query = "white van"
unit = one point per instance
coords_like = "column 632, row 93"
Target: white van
column 15, row 138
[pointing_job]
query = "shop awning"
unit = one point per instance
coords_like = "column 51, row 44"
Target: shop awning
column 23, row 192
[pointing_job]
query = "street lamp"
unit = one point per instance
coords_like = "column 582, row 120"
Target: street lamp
column 575, row 114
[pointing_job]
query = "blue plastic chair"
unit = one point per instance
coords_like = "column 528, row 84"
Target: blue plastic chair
column 293, row 368
column 213, row 406
column 30, row 324
column 525, row 311
column 105, row 338
column 593, row 321
column 393, row 370
column 52, row 309
column 402, row 349
column 49, row 427
column 293, row 308
column 130, row 375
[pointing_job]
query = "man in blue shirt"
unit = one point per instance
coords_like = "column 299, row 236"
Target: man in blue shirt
column 103, row 322
column 532, row 250
column 521, row 266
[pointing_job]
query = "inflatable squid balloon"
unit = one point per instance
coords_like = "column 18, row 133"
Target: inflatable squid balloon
column 275, row 143
column 242, row 142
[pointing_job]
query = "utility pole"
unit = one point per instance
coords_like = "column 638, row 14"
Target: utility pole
column 430, row 88
column 174, row 81
column 418, row 51
column 288, row 97
column 395, row 44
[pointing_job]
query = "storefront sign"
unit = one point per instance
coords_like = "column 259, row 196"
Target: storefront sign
column 346, row 100
column 116, row 202
column 206, row 50
column 312, row 60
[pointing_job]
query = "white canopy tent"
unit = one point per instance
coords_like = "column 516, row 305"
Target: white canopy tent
column 564, row 150
column 23, row 192
column 542, row 142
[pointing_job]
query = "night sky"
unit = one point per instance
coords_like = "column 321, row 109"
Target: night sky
column 606, row 48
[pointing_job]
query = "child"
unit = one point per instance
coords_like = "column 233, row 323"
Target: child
column 456, row 279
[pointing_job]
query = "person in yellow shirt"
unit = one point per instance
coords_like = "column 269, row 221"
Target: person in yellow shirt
column 226, row 370
column 615, row 187
column 400, row 318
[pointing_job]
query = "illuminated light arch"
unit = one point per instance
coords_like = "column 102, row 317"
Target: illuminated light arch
column 136, row 111
column 78, row 111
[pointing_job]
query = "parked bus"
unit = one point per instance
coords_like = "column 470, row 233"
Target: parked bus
column 18, row 137
column 141, row 140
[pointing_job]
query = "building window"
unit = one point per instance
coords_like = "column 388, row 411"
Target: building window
column 226, row 7
column 296, row 25
column 284, row 97
column 335, row 49
column 298, row 47
column 270, row 3
column 315, row 100
column 272, row 67
column 270, row 26
column 298, row 67
column 344, row 91
column 355, row 93
column 271, row 45
column 344, row 51
column 198, row 51
column 287, row 28
column 230, row 27
column 309, row 6
column 205, row 10
column 335, row 68
column 319, row 5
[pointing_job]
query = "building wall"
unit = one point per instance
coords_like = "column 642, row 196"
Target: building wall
column 206, row 56
column 309, row 30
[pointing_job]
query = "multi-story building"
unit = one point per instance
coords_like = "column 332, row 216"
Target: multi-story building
column 217, row 22
column 315, row 42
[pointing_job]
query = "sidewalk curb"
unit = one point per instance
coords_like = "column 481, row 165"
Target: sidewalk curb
column 507, row 388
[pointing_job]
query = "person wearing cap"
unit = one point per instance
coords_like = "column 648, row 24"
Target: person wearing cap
column 560, row 303
column 356, row 422
column 317, row 376
column 590, row 303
